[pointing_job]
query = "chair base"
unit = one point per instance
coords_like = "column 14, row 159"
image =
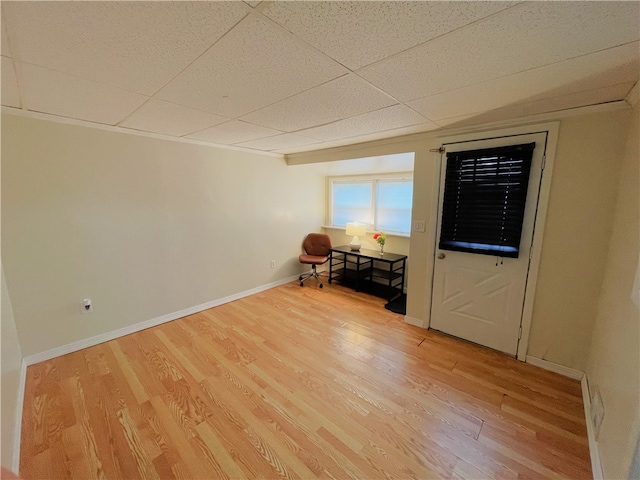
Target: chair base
column 312, row 273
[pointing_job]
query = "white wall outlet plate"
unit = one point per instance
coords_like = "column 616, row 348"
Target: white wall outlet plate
column 597, row 412
column 87, row 305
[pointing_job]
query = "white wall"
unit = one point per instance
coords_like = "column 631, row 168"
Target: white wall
column 614, row 358
column 579, row 222
column 144, row 227
column 10, row 379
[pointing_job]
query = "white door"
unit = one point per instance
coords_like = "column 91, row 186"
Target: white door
column 479, row 297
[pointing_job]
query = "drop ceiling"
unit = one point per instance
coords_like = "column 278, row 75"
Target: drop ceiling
column 296, row 76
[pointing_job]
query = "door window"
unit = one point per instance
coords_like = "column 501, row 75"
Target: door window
column 484, row 198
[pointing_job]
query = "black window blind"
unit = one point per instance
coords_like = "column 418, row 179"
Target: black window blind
column 484, row 198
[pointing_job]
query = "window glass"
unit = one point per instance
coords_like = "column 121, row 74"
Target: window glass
column 383, row 204
column 351, row 203
column 393, row 210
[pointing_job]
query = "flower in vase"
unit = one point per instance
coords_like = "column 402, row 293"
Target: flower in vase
column 381, row 238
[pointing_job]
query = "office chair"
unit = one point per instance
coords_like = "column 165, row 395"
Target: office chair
column 316, row 247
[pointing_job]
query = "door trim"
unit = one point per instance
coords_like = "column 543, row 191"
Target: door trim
column 551, row 129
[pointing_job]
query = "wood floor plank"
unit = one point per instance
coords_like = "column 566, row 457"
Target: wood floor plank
column 298, row 383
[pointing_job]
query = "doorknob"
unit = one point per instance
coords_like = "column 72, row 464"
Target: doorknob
column 441, row 255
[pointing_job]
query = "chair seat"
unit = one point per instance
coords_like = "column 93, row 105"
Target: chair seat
column 312, row 259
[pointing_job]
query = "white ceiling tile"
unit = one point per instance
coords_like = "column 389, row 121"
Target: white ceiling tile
column 234, row 131
column 546, row 105
column 359, row 33
column 523, row 37
column 341, row 98
column 396, row 132
column 279, row 142
column 596, row 96
column 455, row 121
column 255, row 65
column 616, row 65
column 10, row 90
column 138, row 46
column 61, row 94
column 384, row 119
column 170, row 119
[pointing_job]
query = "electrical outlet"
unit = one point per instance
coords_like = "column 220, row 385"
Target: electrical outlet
column 87, row 305
column 273, row 264
column 419, row 226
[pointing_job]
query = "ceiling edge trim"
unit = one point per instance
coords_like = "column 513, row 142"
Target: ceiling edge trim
column 109, row 128
column 402, row 143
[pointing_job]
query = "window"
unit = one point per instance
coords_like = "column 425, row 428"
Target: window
column 381, row 203
column 484, row 198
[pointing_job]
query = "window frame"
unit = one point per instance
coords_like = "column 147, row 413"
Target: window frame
column 374, row 180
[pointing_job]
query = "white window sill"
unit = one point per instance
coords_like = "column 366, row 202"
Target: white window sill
column 402, row 235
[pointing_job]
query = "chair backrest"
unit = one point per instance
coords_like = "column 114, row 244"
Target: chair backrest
column 317, row 244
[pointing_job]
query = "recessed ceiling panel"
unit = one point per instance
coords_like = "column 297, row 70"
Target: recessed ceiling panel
column 10, row 91
column 57, row 93
column 279, row 142
column 234, row 131
column 138, row 46
column 255, row 65
column 384, row 119
column 359, row 33
column 341, row 98
column 170, row 119
column 520, row 38
column 614, row 66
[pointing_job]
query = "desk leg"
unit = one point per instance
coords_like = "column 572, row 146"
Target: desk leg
column 330, row 266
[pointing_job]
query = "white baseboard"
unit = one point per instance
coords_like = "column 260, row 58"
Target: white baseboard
column 416, row 322
column 554, row 367
column 594, row 453
column 17, row 428
column 105, row 337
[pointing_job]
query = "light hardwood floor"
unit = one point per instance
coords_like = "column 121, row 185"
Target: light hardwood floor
column 298, row 383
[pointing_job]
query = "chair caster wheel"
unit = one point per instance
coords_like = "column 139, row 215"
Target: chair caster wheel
column 301, row 284
column 320, row 285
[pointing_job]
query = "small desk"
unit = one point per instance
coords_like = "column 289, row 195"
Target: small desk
column 368, row 270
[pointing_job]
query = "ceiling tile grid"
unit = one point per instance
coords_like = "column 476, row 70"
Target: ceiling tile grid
column 167, row 118
column 524, row 37
column 233, row 132
column 255, row 65
column 379, row 29
column 278, row 142
column 617, row 65
column 341, row 98
column 294, row 76
column 60, row 94
column 388, row 118
column 138, row 46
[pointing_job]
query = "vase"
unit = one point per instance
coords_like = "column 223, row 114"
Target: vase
column 381, row 250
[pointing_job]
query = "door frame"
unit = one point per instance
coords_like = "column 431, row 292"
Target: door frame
column 551, row 129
